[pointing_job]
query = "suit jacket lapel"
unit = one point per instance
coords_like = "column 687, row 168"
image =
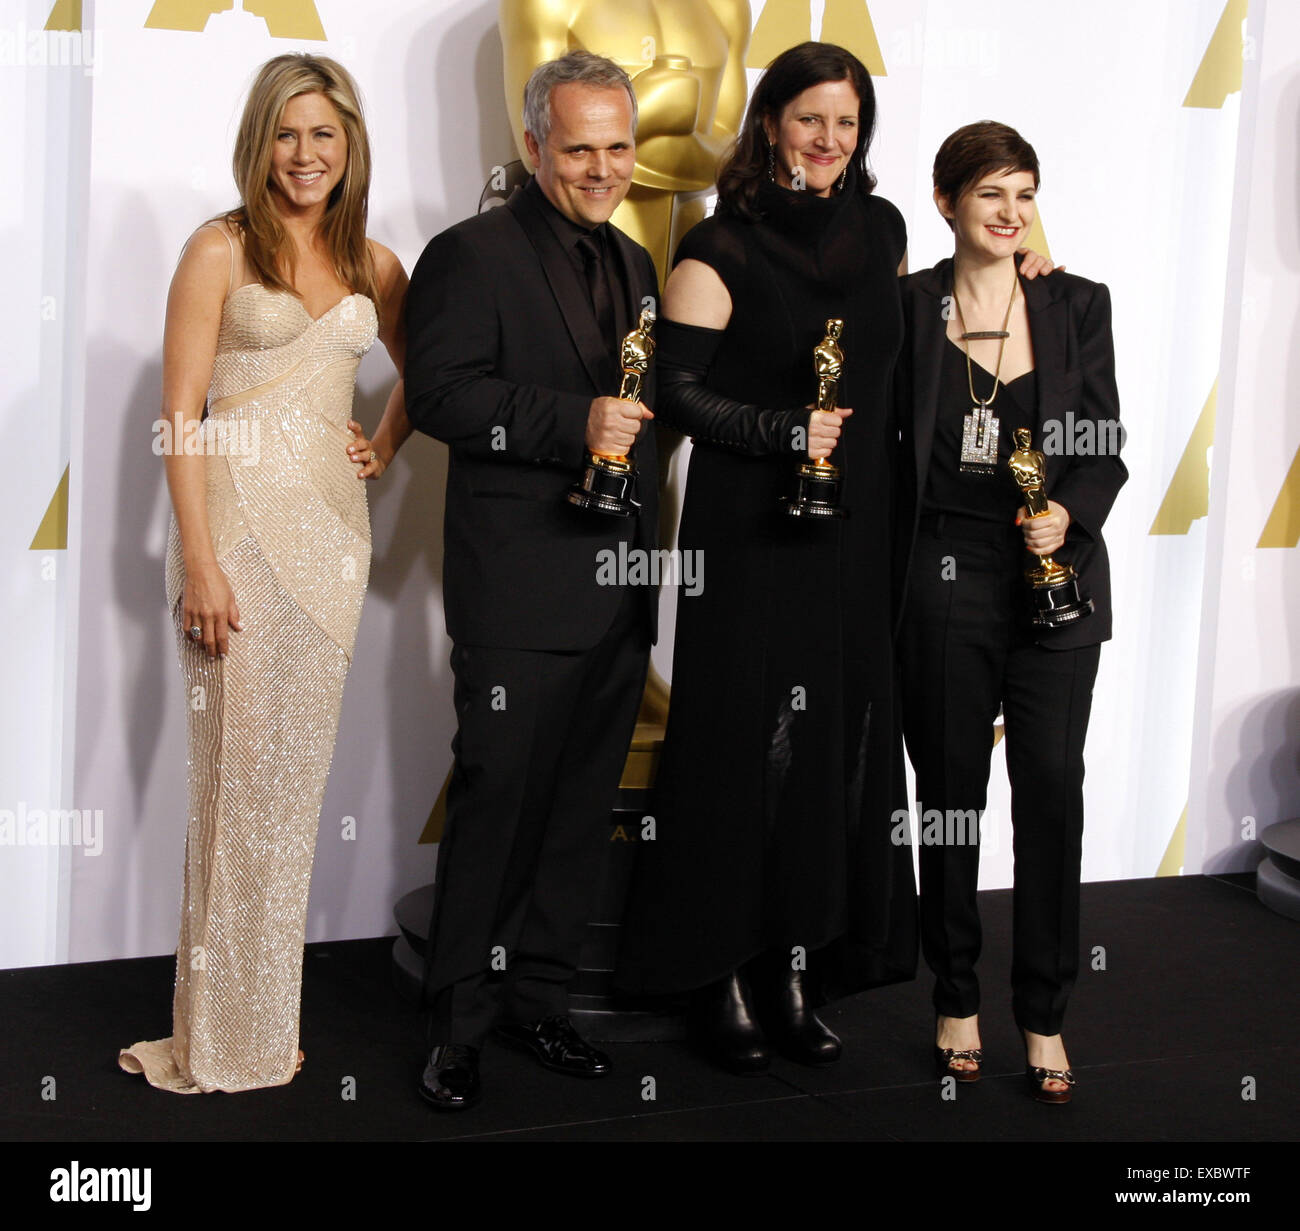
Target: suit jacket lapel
column 928, row 340
column 571, row 296
column 1048, row 325
column 628, row 311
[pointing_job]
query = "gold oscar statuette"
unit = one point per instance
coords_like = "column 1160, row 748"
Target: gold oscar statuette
column 817, row 483
column 1053, row 586
column 608, row 480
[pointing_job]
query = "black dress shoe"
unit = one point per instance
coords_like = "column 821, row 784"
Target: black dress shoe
column 450, row 1080
column 556, row 1045
column 724, row 1028
column 795, row 1030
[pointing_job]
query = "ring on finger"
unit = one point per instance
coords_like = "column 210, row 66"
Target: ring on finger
column 196, row 632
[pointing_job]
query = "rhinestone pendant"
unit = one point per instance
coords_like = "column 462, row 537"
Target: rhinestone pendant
column 979, row 442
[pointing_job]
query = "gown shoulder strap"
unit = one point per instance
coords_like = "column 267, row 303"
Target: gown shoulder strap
column 224, row 228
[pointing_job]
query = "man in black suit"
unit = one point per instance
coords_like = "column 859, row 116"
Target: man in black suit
column 514, row 319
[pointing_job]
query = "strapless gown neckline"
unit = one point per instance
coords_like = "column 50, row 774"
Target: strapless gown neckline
column 315, row 320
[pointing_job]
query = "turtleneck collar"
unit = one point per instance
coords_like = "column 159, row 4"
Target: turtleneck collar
column 791, row 209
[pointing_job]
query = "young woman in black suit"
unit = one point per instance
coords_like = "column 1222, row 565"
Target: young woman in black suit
column 967, row 643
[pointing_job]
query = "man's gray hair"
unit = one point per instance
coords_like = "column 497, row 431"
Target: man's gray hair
column 575, row 66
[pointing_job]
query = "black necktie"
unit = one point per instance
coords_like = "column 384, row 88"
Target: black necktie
column 593, row 260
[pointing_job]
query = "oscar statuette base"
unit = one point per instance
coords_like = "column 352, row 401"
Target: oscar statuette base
column 1057, row 603
column 605, row 486
column 816, row 493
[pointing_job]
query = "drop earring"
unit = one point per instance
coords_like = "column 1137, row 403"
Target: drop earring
column 844, row 175
column 771, row 163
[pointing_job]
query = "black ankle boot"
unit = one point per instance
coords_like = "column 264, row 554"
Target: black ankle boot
column 796, row 1031
column 724, row 1028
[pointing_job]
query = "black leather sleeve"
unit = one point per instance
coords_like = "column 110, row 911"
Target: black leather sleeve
column 685, row 401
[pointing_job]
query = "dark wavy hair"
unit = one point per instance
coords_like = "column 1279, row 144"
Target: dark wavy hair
column 789, row 75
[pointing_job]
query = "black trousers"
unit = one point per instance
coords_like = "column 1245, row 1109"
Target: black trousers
column 965, row 648
column 540, row 747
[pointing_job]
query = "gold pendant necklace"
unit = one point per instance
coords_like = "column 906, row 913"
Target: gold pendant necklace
column 979, row 436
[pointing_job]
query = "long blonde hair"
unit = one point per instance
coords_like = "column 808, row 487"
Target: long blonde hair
column 266, row 244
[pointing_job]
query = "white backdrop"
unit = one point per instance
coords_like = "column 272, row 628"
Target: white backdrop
column 124, row 151
column 1248, row 693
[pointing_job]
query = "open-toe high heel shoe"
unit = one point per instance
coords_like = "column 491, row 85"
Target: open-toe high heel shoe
column 944, row 1057
column 1035, row 1076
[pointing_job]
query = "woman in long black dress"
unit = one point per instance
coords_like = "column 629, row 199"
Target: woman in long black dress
column 967, row 643
column 773, row 864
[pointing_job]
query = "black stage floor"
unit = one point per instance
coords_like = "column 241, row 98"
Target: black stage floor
column 1195, row 1009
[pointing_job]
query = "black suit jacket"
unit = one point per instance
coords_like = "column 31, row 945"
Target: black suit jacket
column 1074, row 359
column 504, row 356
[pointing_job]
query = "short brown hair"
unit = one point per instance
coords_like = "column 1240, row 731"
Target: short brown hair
column 977, row 150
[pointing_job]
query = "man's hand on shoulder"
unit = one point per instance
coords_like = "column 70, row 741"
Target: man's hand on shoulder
column 613, row 424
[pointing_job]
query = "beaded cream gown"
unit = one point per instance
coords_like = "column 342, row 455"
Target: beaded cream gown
column 291, row 530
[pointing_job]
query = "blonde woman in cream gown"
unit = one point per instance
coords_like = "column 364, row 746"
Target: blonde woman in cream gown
column 275, row 581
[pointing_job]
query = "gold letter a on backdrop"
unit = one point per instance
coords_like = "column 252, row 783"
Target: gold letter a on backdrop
column 1172, row 862
column 782, row 24
column 284, row 18
column 1283, row 526
column 1220, row 71
column 1188, row 495
column 848, row 23
column 437, row 814
column 184, row 14
column 65, row 15
column 1036, row 240
column 52, row 533
column 786, row 23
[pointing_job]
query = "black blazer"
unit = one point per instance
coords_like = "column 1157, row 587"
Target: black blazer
column 503, row 358
column 1074, row 359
